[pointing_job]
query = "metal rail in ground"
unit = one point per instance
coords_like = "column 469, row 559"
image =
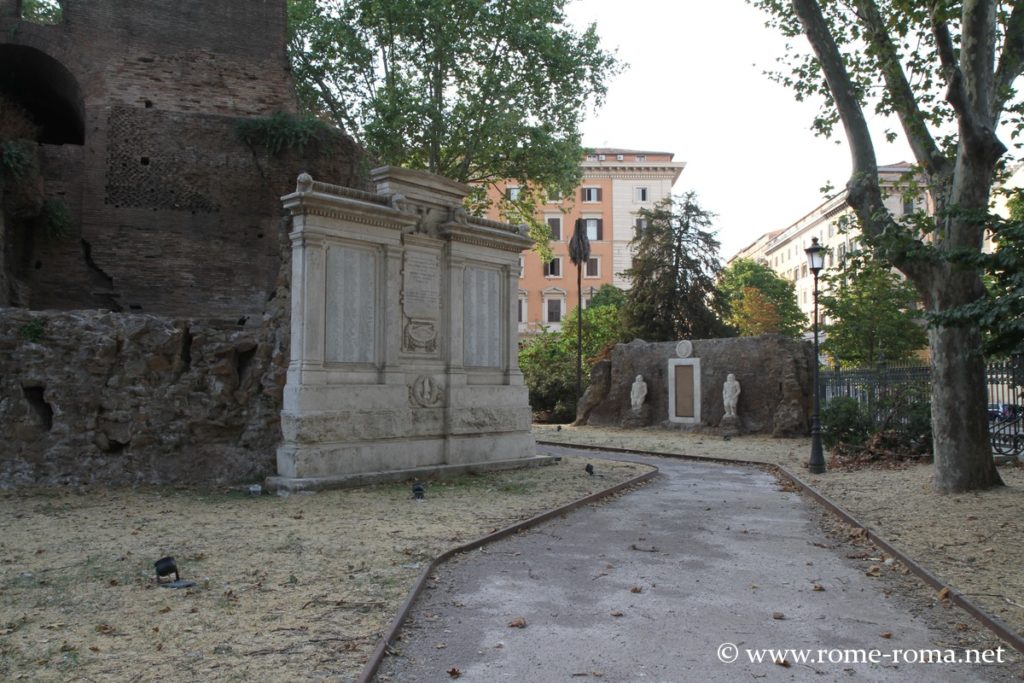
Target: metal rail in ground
column 992, row 623
column 370, row 670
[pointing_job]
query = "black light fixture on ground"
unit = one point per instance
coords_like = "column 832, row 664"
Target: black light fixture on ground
column 579, row 254
column 815, row 262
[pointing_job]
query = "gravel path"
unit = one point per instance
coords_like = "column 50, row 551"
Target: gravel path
column 650, row 586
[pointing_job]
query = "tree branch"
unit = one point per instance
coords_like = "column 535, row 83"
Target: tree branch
column 926, row 152
column 1011, row 61
column 863, row 191
column 975, row 76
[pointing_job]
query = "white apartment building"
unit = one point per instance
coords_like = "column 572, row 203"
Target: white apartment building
column 783, row 250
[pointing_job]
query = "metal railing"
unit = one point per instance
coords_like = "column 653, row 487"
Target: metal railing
column 895, row 396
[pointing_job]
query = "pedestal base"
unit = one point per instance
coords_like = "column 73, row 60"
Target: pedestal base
column 730, row 426
column 634, row 419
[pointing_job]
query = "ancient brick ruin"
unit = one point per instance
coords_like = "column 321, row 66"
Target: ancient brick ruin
column 137, row 102
column 172, row 252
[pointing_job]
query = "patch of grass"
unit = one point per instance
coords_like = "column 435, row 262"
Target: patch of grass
column 515, row 487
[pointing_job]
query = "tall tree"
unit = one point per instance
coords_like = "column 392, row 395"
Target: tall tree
column 870, row 313
column 476, row 91
column 675, row 264
column 778, row 291
column 752, row 313
column 947, row 69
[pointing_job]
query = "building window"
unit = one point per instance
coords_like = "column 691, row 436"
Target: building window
column 593, row 268
column 642, row 223
column 555, row 226
column 908, row 206
column 554, row 312
column 554, row 196
column 512, row 193
column 591, row 157
column 640, row 194
column 591, row 194
column 522, row 310
column 553, row 268
column 595, row 228
column 522, row 266
column 641, row 157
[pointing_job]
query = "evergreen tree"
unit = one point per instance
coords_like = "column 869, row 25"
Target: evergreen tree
column 675, row 265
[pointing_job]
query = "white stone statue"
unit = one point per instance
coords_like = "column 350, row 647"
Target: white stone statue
column 638, row 393
column 730, row 395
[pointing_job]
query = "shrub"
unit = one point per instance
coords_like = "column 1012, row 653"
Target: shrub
column 282, row 132
column 845, row 423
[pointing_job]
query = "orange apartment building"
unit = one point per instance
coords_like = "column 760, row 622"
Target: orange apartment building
column 616, row 184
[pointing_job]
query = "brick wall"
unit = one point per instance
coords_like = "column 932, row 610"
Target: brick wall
column 173, row 214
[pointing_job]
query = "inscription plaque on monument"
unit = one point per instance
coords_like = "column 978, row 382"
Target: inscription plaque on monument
column 421, row 300
column 351, row 304
column 684, row 390
column 482, row 311
column 421, row 285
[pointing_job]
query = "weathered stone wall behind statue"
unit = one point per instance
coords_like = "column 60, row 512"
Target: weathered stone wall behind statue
column 119, row 398
column 774, row 373
column 173, row 214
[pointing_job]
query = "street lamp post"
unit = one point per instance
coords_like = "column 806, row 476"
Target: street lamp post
column 815, row 262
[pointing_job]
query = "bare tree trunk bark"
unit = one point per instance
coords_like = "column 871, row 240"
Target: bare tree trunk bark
column 963, row 454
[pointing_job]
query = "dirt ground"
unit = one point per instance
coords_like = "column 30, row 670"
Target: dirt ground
column 301, row 587
column 287, row 588
column 974, row 542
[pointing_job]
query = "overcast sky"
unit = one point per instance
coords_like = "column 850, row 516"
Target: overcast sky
column 695, row 87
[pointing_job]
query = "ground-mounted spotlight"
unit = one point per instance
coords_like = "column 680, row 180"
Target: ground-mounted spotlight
column 166, row 566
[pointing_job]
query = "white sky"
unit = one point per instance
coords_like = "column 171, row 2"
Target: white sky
column 695, row 87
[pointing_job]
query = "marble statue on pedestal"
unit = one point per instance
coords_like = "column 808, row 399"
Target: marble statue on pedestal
column 730, row 395
column 638, row 393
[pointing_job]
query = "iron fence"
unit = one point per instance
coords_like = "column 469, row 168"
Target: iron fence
column 897, row 397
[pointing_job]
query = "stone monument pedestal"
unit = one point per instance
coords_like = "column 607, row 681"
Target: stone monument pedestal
column 730, row 426
column 634, row 419
column 404, row 341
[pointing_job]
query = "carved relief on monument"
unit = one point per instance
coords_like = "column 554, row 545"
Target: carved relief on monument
column 425, row 392
column 421, row 301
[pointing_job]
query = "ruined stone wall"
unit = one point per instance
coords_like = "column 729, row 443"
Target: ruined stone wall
column 775, row 374
column 173, row 213
column 121, row 398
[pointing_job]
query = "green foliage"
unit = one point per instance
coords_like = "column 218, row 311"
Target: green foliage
column 56, row 219
column 14, row 160
column 42, row 11
column 870, row 313
column 896, row 418
column 32, row 331
column 1000, row 313
column 282, row 132
column 778, row 291
column 843, row 422
column 475, row 91
column 675, row 264
column 608, row 295
column 548, row 359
